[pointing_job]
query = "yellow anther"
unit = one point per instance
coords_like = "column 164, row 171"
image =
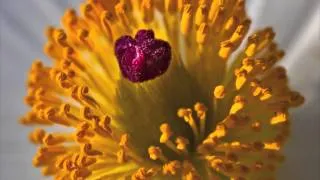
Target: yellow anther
column 124, row 140
column 166, row 132
column 165, row 128
column 182, row 143
column 201, row 110
column 63, row 80
column 240, row 32
column 211, row 141
column 217, row 22
column 70, row 73
column 108, row 16
column 86, row 113
column 215, row 8
column 248, row 62
column 106, row 19
column 85, row 161
column 52, row 139
column 251, row 48
column 267, row 35
column 189, row 171
column 226, row 48
column 155, row 153
column 219, row 92
column 231, row 24
column 200, row 107
column 241, row 78
column 58, row 149
column 60, row 37
column 216, row 163
column 69, row 18
column 77, row 158
column 99, row 129
column 65, row 109
column 186, row 20
column 37, row 136
column 280, row 117
column 171, row 168
column 272, row 146
column 128, row 4
column 87, row 149
column 201, row 14
column 265, row 94
column 239, row 103
column 105, row 122
column 247, row 65
column 239, row 98
column 219, row 132
column 82, row 94
column 83, row 126
column 236, row 107
column 69, row 53
column 68, row 165
column 81, row 173
column 184, row 112
column 87, row 11
column 50, row 114
column 61, row 76
column 143, row 174
column 82, row 35
column 202, row 33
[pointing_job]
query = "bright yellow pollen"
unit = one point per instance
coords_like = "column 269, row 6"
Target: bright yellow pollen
column 199, row 120
column 219, row 92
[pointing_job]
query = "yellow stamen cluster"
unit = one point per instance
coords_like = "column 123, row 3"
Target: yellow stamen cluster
column 121, row 129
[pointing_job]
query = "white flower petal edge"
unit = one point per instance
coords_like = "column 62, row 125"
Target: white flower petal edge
column 303, row 62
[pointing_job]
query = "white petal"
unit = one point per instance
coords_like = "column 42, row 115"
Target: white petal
column 303, row 61
column 22, row 25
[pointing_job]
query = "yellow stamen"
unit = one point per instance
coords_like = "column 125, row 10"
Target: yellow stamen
column 187, row 115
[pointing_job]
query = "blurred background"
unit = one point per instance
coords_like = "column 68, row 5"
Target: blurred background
column 296, row 22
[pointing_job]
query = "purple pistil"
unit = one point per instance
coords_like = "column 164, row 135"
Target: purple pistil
column 144, row 57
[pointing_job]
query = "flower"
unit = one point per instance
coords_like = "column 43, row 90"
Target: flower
column 145, row 89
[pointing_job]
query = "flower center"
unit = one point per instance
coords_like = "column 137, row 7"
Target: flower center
column 144, row 57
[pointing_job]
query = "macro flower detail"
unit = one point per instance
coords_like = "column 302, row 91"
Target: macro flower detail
column 155, row 90
column 144, row 57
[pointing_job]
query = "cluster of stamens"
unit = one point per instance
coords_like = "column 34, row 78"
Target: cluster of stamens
column 86, row 90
